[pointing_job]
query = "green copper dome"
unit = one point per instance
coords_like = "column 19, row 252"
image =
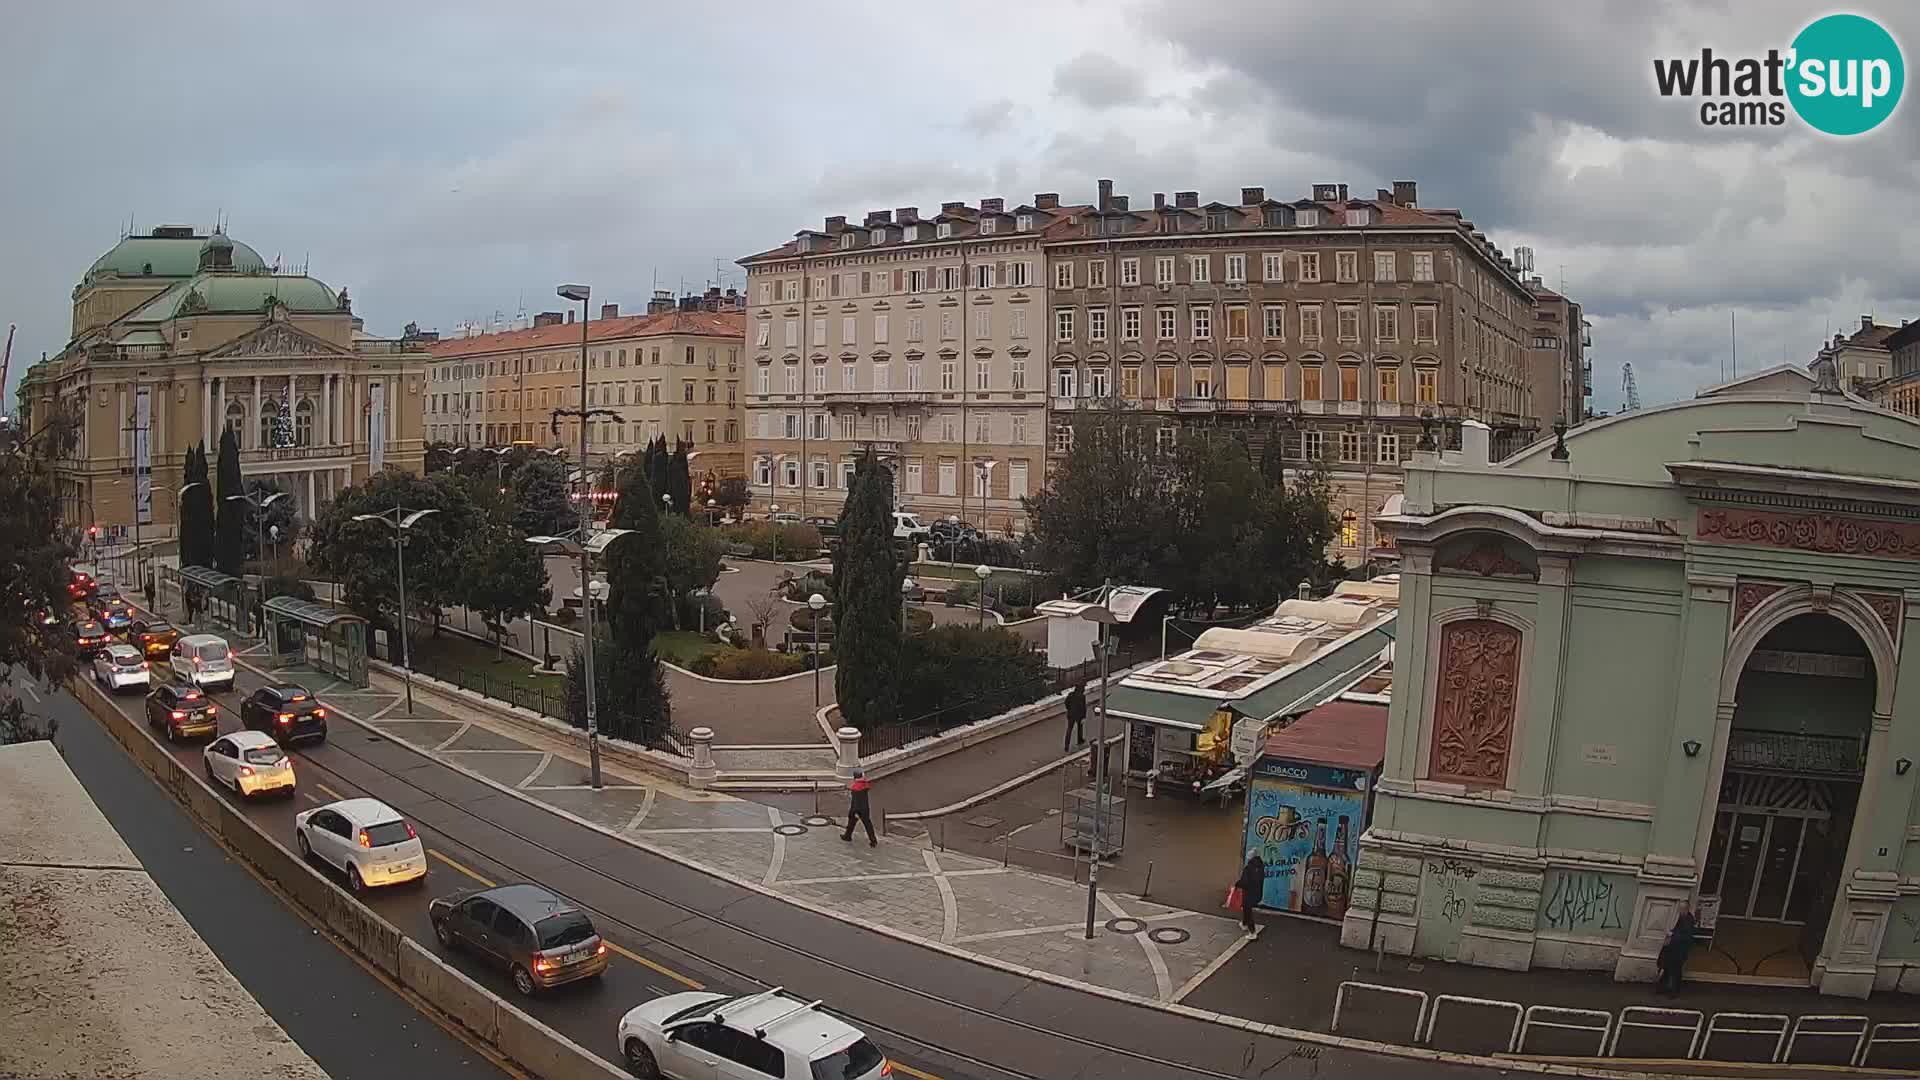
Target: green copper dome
column 233, row 294
column 175, row 255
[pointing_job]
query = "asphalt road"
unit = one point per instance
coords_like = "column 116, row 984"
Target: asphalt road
column 349, row 1022
column 937, row 1016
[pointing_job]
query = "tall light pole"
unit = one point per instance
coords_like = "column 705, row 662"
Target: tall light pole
column 400, row 523
column 260, row 542
column 581, row 293
column 773, row 511
column 906, row 591
column 983, row 572
column 818, row 604
column 1105, row 617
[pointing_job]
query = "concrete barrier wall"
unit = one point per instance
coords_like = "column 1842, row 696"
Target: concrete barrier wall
column 542, row 1051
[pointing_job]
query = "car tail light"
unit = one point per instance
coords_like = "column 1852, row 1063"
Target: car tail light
column 285, row 718
column 886, row 1067
column 600, row 949
column 365, row 840
column 320, row 714
column 144, row 665
column 411, row 835
column 178, row 715
column 246, row 770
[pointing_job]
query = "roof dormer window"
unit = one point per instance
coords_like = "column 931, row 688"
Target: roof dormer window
column 1217, row 221
column 878, row 236
column 1275, row 217
column 1307, row 219
column 988, row 225
column 803, row 243
column 943, row 230
column 846, row 240
column 910, row 234
column 1023, row 223
column 1359, row 215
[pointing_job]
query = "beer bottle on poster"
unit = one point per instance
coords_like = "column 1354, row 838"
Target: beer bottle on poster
column 1339, row 873
column 1314, row 900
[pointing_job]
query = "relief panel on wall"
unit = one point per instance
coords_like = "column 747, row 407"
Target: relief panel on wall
column 1474, row 703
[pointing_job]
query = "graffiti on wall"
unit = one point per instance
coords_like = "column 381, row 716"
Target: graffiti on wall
column 1453, row 877
column 1587, row 903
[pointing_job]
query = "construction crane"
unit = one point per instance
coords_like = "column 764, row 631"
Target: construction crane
column 1628, row 387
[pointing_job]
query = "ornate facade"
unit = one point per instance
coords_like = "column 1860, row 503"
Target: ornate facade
column 178, row 336
column 1667, row 669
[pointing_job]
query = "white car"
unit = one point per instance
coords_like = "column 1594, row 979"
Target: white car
column 250, row 763
column 365, row 839
column 203, row 660
column 121, row 666
column 700, row 1035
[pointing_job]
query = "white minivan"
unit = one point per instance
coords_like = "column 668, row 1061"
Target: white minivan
column 908, row 529
column 203, row 660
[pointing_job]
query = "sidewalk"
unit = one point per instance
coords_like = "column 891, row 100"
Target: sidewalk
column 977, row 769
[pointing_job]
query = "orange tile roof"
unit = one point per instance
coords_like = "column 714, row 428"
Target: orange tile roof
column 1345, row 734
column 687, row 323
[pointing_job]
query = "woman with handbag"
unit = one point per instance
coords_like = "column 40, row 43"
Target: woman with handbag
column 1249, row 889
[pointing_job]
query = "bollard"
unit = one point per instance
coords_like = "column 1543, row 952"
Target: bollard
column 1148, row 887
column 847, row 741
column 1006, row 850
column 816, row 798
column 703, row 771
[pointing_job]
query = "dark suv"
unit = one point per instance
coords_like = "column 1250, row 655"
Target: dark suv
column 541, row 939
column 90, row 639
column 182, row 711
column 287, row 712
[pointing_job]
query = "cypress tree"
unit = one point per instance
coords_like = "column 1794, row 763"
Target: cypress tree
column 866, row 582
column 230, row 534
column 636, row 607
column 679, row 481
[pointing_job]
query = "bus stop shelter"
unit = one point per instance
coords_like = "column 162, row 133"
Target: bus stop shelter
column 210, row 596
column 328, row 638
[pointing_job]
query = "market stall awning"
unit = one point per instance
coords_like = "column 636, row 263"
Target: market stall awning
column 1304, row 685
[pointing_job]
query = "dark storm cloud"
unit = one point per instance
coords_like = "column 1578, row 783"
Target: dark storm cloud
column 1099, row 81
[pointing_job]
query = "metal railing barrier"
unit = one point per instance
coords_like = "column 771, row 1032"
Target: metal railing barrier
column 1563, row 1019
column 1628, row 1019
column 1775, row 1024
column 1904, row 1034
column 1433, row 1015
column 1855, row 1028
column 1340, row 998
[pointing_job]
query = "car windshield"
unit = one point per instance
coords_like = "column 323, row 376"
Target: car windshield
column 264, row 755
column 124, row 655
column 387, row 833
column 559, row 931
column 157, row 629
column 212, row 650
column 849, row 1064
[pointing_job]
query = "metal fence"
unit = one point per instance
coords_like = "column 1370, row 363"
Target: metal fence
column 980, row 706
column 532, row 698
column 1638, row 1031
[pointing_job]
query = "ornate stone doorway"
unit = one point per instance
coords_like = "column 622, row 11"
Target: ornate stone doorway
column 1795, row 755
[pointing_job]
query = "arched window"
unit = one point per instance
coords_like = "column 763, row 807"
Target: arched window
column 303, row 423
column 237, row 420
column 269, row 416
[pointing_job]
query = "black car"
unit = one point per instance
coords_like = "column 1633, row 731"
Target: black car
column 90, row 639
column 182, row 711
column 542, row 940
column 287, row 712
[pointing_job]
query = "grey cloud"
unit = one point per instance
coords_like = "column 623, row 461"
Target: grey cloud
column 1098, row 81
column 988, row 117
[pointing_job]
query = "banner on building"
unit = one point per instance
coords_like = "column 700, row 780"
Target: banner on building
column 143, row 456
column 376, row 425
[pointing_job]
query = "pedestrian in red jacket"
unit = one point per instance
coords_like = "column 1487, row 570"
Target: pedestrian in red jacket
column 859, row 807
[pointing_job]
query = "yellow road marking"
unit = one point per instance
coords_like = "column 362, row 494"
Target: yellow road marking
column 459, row 867
column 661, row 968
column 911, row 1071
column 336, row 795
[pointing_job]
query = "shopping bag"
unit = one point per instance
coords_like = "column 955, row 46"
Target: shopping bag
column 1236, row 898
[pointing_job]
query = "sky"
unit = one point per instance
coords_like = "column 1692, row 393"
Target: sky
column 449, row 161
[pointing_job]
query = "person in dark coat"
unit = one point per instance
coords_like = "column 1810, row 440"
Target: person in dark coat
column 1253, row 884
column 1076, row 718
column 859, row 807
column 1673, row 955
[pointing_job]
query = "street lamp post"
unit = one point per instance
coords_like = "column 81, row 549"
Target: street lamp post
column 953, row 536
column 260, row 543
column 400, row 523
column 773, row 526
column 581, row 293
column 711, row 504
column 983, row 572
column 906, row 591
column 1104, row 616
column 818, row 603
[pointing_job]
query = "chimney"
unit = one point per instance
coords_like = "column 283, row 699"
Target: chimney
column 880, row 217
column 1866, row 322
column 1159, row 200
column 661, row 303
column 993, row 206
column 569, row 316
column 908, row 214
column 950, row 207
column 1404, row 192
column 548, row 318
column 836, row 223
column 1186, row 200
column 1120, row 202
column 1382, row 195
column 1343, row 193
column 1106, row 196
column 1047, row 200
column 1252, row 196
column 609, row 311
column 1325, row 192
column 1475, row 443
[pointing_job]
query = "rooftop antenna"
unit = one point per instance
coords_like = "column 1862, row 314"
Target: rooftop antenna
column 1733, row 332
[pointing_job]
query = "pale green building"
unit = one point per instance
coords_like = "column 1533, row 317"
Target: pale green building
column 1660, row 666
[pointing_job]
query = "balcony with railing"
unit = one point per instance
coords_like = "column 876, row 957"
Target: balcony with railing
column 874, row 397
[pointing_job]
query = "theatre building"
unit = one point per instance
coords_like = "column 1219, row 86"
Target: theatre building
column 1666, row 664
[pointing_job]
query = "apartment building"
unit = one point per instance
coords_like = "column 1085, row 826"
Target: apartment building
column 1892, row 380
column 923, row 337
column 1331, row 322
column 1557, row 362
column 673, row 372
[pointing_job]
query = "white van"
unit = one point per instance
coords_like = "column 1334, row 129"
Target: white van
column 907, row 528
column 203, row 660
